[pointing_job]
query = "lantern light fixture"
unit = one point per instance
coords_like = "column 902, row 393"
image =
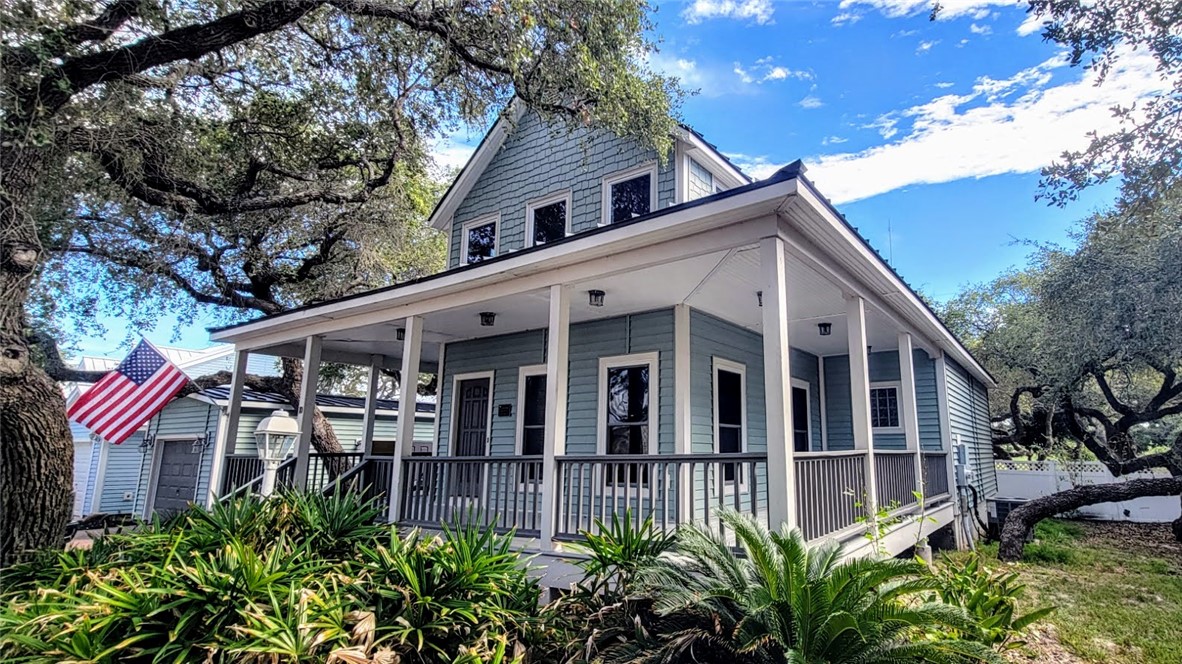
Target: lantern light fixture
column 759, row 297
column 825, row 329
column 401, row 334
column 595, row 298
column 275, row 437
column 487, row 319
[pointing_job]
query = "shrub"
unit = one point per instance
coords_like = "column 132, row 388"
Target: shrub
column 991, row 597
column 775, row 598
column 298, row 577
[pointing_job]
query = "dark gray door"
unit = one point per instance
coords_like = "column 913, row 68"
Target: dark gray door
column 471, row 437
column 176, row 483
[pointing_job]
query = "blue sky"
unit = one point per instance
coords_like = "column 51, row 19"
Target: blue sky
column 928, row 135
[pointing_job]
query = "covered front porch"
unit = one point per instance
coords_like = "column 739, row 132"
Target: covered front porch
column 719, row 365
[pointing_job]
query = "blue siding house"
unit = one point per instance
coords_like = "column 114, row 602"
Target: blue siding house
column 620, row 329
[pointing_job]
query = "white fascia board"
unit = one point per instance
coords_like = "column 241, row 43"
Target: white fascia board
column 712, row 155
column 442, row 215
column 893, row 290
column 267, row 405
column 509, row 273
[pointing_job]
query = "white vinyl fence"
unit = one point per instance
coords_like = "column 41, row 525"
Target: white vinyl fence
column 1024, row 480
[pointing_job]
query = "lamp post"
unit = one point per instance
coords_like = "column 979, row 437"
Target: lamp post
column 274, row 438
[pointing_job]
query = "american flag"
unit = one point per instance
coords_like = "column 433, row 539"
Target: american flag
column 124, row 399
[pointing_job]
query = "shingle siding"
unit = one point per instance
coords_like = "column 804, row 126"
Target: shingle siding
column 537, row 160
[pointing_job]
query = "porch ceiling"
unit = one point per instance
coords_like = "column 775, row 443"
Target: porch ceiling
column 722, row 283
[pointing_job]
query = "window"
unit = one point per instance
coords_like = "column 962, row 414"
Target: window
column 478, row 239
column 629, row 194
column 801, row 438
column 884, row 407
column 531, row 417
column 627, row 408
column 547, row 220
column 730, row 412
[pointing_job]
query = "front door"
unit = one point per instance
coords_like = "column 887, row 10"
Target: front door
column 471, row 438
column 176, row 483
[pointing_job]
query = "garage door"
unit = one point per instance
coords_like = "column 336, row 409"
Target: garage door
column 176, row 483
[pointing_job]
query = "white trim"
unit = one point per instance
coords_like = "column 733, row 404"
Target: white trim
column 722, row 364
column 808, row 411
column 717, row 182
column 480, row 159
column 610, row 179
column 439, row 368
column 898, row 387
column 711, row 154
column 493, row 218
column 100, row 478
column 652, row 359
column 563, row 196
column 153, row 480
column 523, row 373
column 682, row 379
column 217, row 458
column 824, row 397
column 455, row 409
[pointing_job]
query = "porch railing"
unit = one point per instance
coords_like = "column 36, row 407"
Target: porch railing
column 238, row 479
column 503, row 492
column 830, row 488
column 671, row 489
column 894, row 473
column 324, row 468
column 935, row 475
column 370, row 478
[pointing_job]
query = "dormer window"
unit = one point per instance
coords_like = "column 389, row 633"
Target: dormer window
column 548, row 220
column 478, row 240
column 701, row 182
column 629, row 194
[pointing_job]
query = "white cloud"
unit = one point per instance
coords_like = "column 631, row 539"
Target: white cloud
column 742, row 74
column 980, row 29
column 758, row 11
column 450, row 154
column 846, row 18
column 925, row 46
column 944, row 85
column 1012, row 125
column 764, row 71
column 758, row 167
column 1033, row 24
column 949, row 9
column 810, row 102
column 833, row 140
column 781, row 73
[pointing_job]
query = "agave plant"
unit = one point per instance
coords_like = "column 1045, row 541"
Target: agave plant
column 776, row 599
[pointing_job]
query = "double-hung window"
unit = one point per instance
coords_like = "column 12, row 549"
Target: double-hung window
column 531, row 417
column 628, row 409
column 801, row 417
column 730, row 412
column 478, row 239
column 629, row 194
column 548, row 220
column 884, row 408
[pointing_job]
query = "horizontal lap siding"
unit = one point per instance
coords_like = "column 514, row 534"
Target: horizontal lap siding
column 503, row 355
column 968, row 415
column 884, row 367
column 537, row 160
column 121, row 475
column 713, row 337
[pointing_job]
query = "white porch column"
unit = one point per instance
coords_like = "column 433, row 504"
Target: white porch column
column 855, row 313
column 371, row 405
column 557, row 366
column 412, row 349
column 681, row 404
column 777, row 379
column 908, row 409
column 307, row 409
column 228, row 437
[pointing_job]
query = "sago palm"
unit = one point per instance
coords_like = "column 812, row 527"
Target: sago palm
column 776, row 599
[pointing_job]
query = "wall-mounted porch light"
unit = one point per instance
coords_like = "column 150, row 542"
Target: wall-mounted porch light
column 487, row 319
column 595, row 298
column 825, row 329
column 401, row 334
column 759, row 297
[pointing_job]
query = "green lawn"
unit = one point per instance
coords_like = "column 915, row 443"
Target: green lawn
column 1118, row 588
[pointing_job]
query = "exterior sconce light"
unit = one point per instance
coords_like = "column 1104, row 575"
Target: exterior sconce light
column 487, row 319
column 147, row 443
column 401, row 334
column 759, row 297
column 825, row 329
column 274, row 438
column 595, row 298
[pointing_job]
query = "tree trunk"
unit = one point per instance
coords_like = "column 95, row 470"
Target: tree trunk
column 36, row 449
column 1020, row 521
